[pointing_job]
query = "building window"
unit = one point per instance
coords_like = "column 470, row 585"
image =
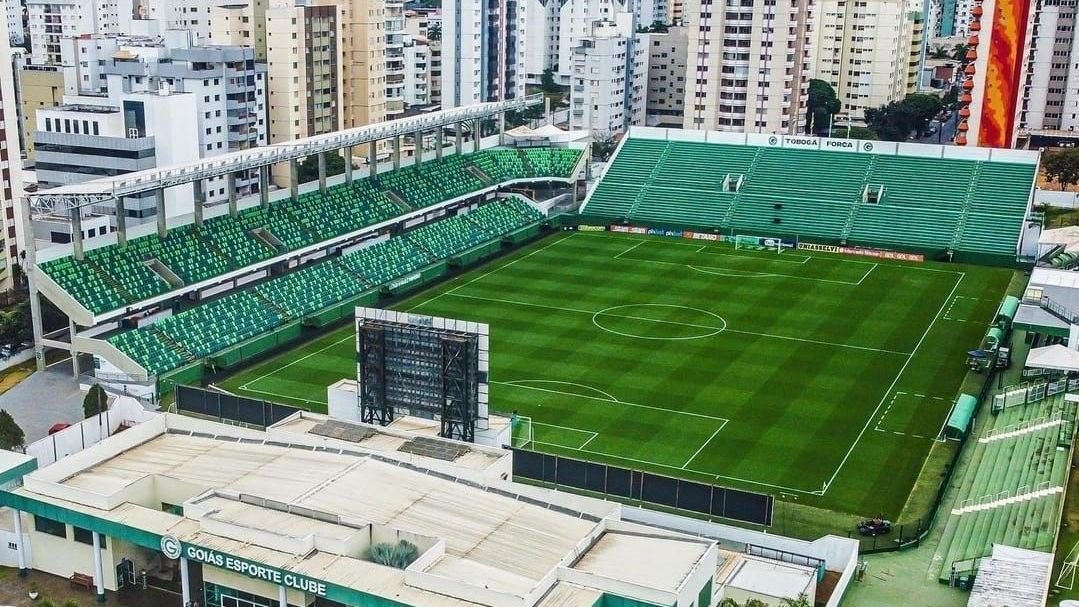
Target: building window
column 85, row 536
column 47, row 525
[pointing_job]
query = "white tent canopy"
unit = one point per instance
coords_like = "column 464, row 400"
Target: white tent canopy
column 1061, row 358
column 548, row 131
column 1068, row 236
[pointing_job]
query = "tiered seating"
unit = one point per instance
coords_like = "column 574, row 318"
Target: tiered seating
column 235, row 241
column 552, row 162
column 923, row 182
column 449, row 236
column 897, row 226
column 111, row 276
column 1011, row 491
column 312, row 288
column 212, row 327
column 386, row 261
column 703, row 166
column 149, row 350
column 676, row 206
column 820, row 175
column 342, row 209
column 503, row 216
column 803, row 216
column 127, row 266
column 929, row 203
column 187, row 255
column 84, row 283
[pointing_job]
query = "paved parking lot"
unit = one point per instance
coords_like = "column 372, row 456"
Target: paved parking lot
column 44, row 398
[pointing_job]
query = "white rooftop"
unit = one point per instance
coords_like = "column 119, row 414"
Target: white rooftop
column 1012, row 577
column 314, row 505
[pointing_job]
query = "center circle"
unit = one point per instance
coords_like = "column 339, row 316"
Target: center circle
column 666, row 322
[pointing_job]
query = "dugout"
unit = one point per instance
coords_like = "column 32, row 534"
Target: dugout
column 961, row 416
column 1006, row 313
column 993, row 338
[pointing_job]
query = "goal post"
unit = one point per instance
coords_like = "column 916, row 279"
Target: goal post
column 521, row 432
column 758, row 243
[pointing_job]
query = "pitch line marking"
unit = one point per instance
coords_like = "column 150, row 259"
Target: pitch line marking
column 492, row 271
column 630, row 249
column 686, row 324
column 895, row 381
column 287, row 365
column 523, row 383
column 283, row 396
column 714, row 330
column 836, row 257
column 703, row 445
column 570, row 428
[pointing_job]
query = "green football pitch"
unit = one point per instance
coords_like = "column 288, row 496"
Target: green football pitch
column 815, row 377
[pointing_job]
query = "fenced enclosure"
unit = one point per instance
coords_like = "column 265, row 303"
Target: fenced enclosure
column 229, row 408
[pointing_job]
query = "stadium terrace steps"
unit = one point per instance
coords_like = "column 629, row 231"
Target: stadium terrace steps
column 236, row 317
column 1012, row 487
column 927, row 203
column 111, row 277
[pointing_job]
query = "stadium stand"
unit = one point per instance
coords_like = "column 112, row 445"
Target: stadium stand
column 928, row 204
column 1011, row 493
column 233, row 318
column 113, row 276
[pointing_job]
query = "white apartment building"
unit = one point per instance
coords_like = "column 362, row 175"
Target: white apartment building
column 483, row 51
column 218, row 94
column 416, row 88
column 1050, row 96
column 610, row 71
column 51, row 22
column 11, row 238
column 93, row 137
column 425, row 27
column 666, row 92
column 13, row 12
column 396, row 39
column 869, row 51
column 749, row 65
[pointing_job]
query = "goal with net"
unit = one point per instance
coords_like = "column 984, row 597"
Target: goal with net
column 758, row 243
column 521, row 432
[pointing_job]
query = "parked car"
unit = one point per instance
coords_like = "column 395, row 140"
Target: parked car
column 58, row 427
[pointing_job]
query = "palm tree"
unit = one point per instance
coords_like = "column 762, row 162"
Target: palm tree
column 938, row 52
column 434, row 31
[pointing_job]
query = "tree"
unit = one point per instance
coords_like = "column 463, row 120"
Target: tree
column 95, row 401
column 801, row 601
column 1062, row 166
column 857, row 132
column 820, row 106
column 15, row 328
column 308, row 169
column 434, row 31
column 12, row 437
column 924, row 107
column 603, row 144
column 547, row 83
column 938, row 52
column 657, row 27
column 959, row 53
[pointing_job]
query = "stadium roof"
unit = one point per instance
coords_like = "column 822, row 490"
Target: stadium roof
column 84, row 193
column 310, row 506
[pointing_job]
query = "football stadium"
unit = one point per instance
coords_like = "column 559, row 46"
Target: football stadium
column 773, row 331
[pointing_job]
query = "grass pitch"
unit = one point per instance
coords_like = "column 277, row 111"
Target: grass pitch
column 814, row 377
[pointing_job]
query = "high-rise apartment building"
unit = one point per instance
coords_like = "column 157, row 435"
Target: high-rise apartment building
column 13, row 12
column 483, row 51
column 870, row 52
column 395, row 58
column 666, row 92
column 425, row 29
column 1050, row 93
column 749, row 65
column 610, row 71
column 217, row 94
column 39, row 87
column 11, row 241
column 51, row 22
